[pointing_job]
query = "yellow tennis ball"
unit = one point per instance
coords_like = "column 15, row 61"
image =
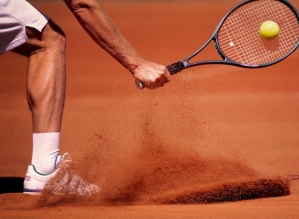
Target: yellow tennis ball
column 269, row 29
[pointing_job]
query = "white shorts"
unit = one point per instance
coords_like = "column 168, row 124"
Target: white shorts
column 15, row 16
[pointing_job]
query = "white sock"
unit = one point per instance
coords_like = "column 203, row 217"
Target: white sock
column 45, row 151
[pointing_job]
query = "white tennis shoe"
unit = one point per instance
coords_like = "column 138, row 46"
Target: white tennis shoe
column 61, row 181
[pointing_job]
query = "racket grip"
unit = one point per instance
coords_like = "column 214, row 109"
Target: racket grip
column 173, row 69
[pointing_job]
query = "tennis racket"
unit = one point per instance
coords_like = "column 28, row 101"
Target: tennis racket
column 238, row 41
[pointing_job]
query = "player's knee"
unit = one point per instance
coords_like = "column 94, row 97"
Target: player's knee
column 52, row 39
column 55, row 37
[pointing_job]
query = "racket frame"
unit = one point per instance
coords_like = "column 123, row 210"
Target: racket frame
column 183, row 64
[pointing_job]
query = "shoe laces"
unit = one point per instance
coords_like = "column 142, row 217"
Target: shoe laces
column 63, row 160
column 67, row 182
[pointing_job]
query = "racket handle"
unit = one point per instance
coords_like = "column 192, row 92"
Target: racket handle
column 139, row 84
column 173, row 69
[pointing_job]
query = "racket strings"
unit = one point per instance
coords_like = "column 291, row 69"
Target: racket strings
column 239, row 36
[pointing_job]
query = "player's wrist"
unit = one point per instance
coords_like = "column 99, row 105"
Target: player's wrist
column 134, row 65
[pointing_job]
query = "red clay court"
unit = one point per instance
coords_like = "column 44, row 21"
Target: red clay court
column 216, row 142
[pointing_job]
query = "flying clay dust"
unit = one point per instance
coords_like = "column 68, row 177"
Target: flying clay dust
column 157, row 173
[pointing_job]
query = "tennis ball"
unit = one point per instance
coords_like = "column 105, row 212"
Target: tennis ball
column 269, row 29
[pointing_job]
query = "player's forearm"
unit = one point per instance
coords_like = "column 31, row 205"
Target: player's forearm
column 99, row 26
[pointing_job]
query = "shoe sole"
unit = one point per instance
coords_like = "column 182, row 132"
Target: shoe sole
column 32, row 191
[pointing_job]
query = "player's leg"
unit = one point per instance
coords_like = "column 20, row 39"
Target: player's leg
column 45, row 91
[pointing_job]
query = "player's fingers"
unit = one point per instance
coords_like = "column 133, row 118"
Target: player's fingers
column 167, row 75
column 160, row 82
column 152, row 76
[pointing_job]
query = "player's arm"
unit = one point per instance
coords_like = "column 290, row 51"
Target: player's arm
column 102, row 30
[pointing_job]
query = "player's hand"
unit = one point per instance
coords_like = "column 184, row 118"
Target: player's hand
column 151, row 74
